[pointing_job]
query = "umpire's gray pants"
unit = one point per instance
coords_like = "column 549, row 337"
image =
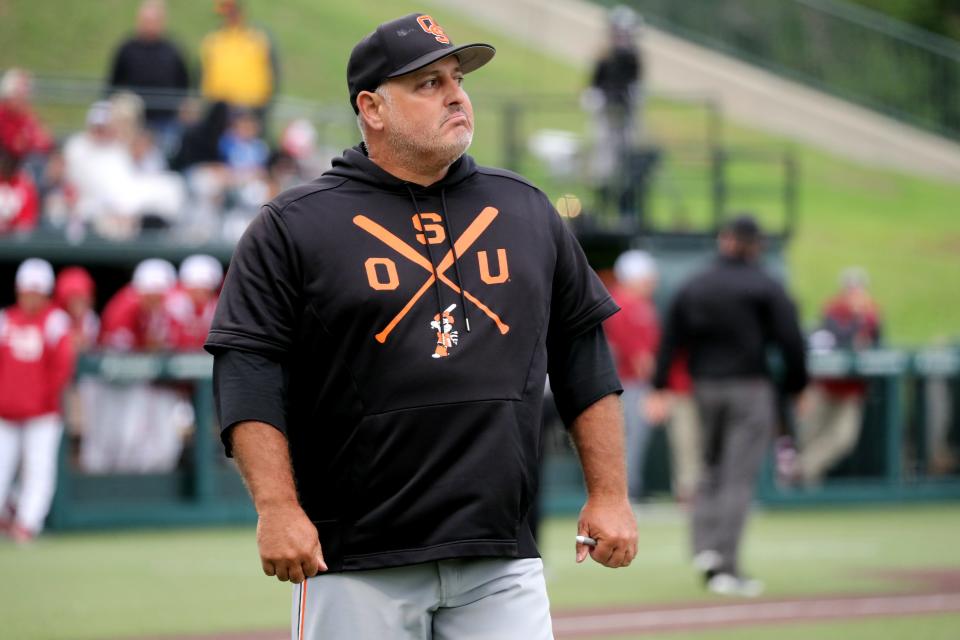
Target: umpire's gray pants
column 737, row 417
column 473, row 599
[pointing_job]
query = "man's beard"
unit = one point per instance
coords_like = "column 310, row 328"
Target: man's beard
column 418, row 150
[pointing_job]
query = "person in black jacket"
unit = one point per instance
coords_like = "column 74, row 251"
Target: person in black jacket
column 616, row 98
column 149, row 64
column 725, row 318
column 381, row 345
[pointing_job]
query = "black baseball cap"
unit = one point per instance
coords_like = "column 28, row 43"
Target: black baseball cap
column 402, row 46
column 744, row 227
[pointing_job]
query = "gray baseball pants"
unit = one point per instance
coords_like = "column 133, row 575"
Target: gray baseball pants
column 472, row 599
column 737, row 417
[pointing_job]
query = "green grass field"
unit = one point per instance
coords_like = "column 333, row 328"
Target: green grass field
column 125, row 584
column 905, row 230
column 931, row 628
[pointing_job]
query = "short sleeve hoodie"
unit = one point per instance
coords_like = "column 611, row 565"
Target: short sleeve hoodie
column 412, row 439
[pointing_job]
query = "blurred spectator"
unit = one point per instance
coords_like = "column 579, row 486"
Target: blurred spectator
column 834, row 412
column 36, row 362
column 195, row 300
column 111, row 192
column 147, row 157
column 149, row 164
column 243, row 149
column 201, row 140
column 59, row 198
column 96, row 164
column 18, row 195
column 614, row 95
column 238, row 62
column 20, row 131
column 149, row 64
column 135, row 318
column 282, row 173
column 225, row 162
column 137, row 427
column 634, row 334
column 725, row 318
column 126, row 116
column 299, row 141
column 206, row 173
column 74, row 293
column 298, row 160
column 246, row 156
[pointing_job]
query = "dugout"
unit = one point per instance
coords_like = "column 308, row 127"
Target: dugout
column 891, row 462
column 204, row 488
column 904, row 430
column 110, row 263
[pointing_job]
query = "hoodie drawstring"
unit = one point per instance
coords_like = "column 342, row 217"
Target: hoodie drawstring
column 453, row 249
column 433, row 263
column 456, row 258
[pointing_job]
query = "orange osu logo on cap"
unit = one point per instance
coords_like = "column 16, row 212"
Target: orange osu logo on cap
column 430, row 26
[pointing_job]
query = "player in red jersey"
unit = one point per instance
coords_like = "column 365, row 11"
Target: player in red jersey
column 36, row 362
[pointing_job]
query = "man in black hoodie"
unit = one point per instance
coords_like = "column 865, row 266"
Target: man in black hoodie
column 381, row 346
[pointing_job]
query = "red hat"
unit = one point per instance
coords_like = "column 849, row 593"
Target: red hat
column 73, row 282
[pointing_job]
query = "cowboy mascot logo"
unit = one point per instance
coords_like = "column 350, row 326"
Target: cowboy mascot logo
column 447, row 338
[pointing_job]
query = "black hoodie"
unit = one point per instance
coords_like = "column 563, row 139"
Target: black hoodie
column 412, row 439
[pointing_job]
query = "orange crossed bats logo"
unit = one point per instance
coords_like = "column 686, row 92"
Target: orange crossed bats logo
column 460, row 246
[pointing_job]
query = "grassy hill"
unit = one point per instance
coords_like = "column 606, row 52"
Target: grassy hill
column 314, row 39
column 904, row 230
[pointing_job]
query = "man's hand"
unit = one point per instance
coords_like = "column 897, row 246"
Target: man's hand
column 612, row 524
column 656, row 408
column 287, row 540
column 288, row 544
column 606, row 517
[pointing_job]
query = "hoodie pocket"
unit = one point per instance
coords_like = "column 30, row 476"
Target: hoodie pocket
column 437, row 475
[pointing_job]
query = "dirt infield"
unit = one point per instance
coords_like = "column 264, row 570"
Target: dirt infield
column 712, row 615
column 938, row 592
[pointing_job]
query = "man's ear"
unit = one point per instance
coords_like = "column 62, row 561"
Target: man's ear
column 369, row 104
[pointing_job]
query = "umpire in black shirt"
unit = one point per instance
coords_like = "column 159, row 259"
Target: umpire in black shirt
column 725, row 318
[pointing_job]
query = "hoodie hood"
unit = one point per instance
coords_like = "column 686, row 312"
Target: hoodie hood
column 355, row 164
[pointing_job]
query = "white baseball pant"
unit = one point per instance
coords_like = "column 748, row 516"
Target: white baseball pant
column 34, row 445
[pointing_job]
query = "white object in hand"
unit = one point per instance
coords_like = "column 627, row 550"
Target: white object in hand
column 587, row 540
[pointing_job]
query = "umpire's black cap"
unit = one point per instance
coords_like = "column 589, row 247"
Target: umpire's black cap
column 402, row 46
column 744, row 227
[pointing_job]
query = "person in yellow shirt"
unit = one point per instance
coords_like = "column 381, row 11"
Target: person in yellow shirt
column 238, row 62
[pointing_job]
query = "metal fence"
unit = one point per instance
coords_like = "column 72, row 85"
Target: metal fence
column 843, row 49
